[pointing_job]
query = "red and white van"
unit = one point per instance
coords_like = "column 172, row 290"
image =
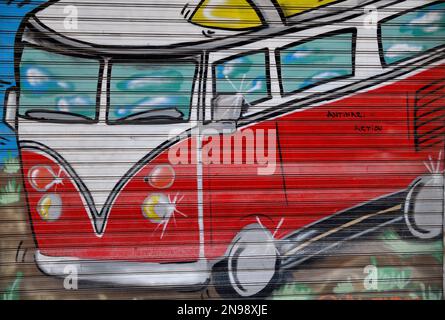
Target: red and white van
column 132, row 124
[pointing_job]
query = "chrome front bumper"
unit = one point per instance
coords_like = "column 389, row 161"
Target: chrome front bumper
column 121, row 273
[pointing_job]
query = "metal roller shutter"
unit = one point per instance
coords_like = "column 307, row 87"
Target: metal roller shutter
column 281, row 149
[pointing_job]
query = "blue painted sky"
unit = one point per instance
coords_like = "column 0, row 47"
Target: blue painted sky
column 11, row 16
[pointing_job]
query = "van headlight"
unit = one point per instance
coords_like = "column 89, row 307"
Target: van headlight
column 161, row 177
column 158, row 208
column 50, row 207
column 42, row 177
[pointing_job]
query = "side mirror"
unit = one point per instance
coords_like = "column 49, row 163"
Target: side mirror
column 226, row 110
column 10, row 115
column 227, row 107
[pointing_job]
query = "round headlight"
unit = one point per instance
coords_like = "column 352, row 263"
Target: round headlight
column 161, row 177
column 50, row 207
column 42, row 177
column 157, row 208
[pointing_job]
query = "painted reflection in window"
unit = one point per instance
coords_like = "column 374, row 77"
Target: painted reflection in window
column 246, row 75
column 227, row 14
column 316, row 62
column 57, row 87
column 412, row 33
column 151, row 93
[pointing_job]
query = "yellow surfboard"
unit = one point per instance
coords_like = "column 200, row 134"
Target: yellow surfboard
column 292, row 7
column 226, row 14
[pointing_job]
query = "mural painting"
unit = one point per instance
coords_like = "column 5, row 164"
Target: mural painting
column 276, row 149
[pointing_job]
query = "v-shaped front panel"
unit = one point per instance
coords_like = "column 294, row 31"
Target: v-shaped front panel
column 139, row 219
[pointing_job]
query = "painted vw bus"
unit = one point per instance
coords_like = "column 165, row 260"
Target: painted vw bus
column 132, row 123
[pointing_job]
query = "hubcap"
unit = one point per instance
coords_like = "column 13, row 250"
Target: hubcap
column 252, row 262
column 424, row 207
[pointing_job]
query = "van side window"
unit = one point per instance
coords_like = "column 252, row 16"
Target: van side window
column 57, row 88
column 412, row 33
column 245, row 74
column 313, row 62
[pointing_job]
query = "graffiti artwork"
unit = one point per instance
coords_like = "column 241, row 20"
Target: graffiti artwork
column 224, row 146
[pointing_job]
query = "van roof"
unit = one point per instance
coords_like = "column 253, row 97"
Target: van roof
column 154, row 27
column 118, row 22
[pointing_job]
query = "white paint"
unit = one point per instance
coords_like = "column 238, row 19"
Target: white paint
column 11, row 107
column 135, row 274
column 371, row 17
column 70, row 22
column 135, row 141
column 217, row 4
column 371, row 280
column 400, row 49
column 196, row 134
column 100, row 154
column 428, row 18
column 103, row 98
column 70, row 282
column 153, row 23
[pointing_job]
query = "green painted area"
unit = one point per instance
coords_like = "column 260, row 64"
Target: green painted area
column 13, row 291
column 409, row 248
column 11, row 164
column 427, row 293
column 396, row 274
column 293, row 291
column 10, row 189
column 10, row 193
column 389, row 278
column 344, row 287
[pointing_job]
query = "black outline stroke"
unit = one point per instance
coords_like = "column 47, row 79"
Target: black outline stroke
column 19, row 52
column 278, row 50
column 100, row 218
column 392, row 17
column 239, row 55
column 196, row 61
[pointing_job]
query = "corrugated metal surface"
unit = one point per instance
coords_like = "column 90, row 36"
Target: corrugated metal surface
column 210, row 149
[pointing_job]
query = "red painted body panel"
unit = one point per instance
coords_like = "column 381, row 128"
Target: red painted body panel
column 328, row 160
column 128, row 234
column 329, row 163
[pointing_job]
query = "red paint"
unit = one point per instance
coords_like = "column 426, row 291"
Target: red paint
column 330, row 160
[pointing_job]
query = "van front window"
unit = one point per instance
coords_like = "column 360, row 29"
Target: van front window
column 151, row 92
column 56, row 87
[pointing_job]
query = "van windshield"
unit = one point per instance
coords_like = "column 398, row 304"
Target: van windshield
column 56, row 87
column 151, row 92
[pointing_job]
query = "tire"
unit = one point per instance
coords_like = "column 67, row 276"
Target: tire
column 424, row 205
column 250, row 269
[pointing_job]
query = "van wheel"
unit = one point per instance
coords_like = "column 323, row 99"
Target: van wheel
column 424, row 205
column 251, row 266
